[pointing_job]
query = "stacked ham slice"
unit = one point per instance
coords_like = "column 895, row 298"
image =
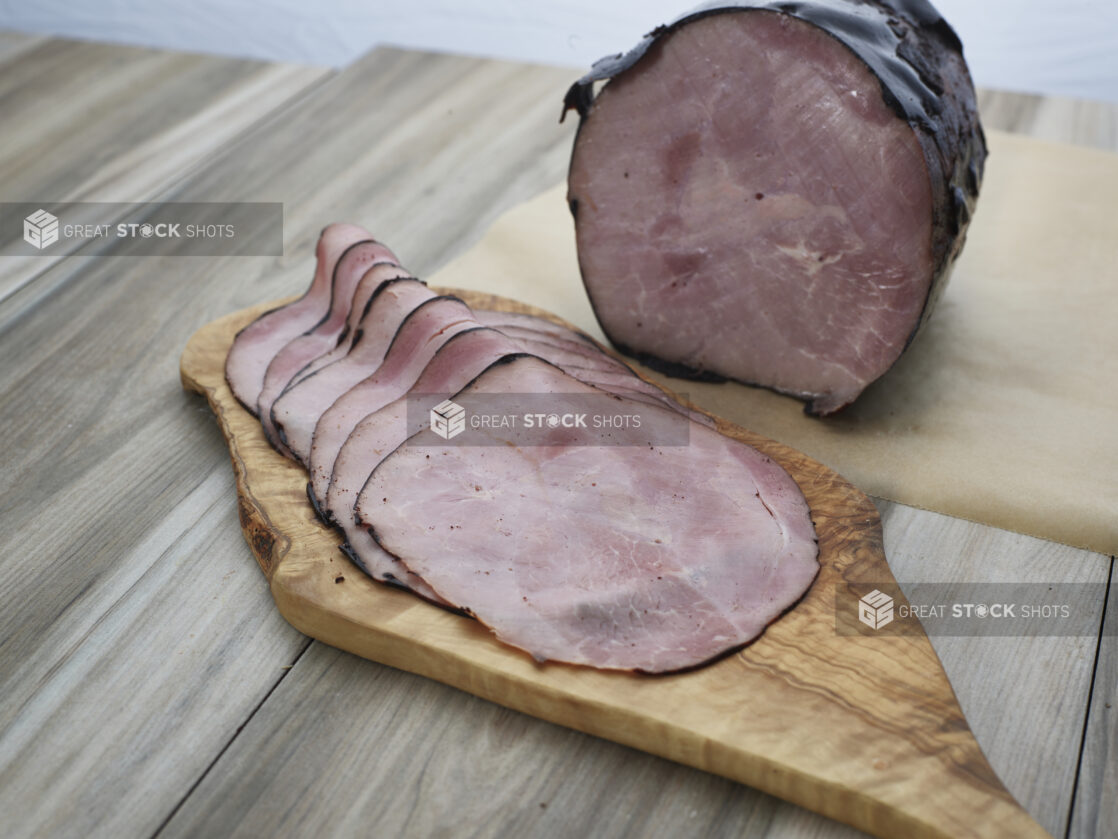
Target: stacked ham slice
column 643, row 557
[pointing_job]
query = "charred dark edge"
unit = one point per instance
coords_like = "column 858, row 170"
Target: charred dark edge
column 318, row 511
column 508, row 358
column 430, row 301
column 683, row 371
column 281, row 436
column 334, row 277
column 441, row 349
column 909, row 88
column 395, row 582
column 358, row 330
column 564, row 344
column 941, row 111
column 578, row 333
column 241, row 402
column 329, row 308
column 675, row 369
column 447, row 343
column 729, row 651
column 359, row 333
column 280, row 433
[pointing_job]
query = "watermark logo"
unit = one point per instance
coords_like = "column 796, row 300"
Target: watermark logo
column 875, row 610
column 448, row 419
column 584, row 417
column 204, row 228
column 40, row 229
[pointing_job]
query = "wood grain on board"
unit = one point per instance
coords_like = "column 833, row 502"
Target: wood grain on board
column 120, row 542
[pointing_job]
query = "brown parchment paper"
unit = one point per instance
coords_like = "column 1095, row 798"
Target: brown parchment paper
column 1005, row 409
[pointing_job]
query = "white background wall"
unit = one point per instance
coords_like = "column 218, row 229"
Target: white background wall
column 1067, row 47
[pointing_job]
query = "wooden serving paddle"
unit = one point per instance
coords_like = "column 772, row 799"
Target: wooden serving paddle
column 862, row 728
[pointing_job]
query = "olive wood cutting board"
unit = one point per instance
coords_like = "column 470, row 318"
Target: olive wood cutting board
column 863, row 729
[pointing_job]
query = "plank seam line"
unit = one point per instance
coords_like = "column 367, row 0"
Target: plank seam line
column 1090, row 697
column 160, row 198
column 221, row 752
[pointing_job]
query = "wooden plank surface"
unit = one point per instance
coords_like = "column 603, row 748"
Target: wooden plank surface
column 1053, row 118
column 118, row 537
column 96, row 519
column 96, row 122
column 13, row 44
column 1025, row 698
column 1096, row 799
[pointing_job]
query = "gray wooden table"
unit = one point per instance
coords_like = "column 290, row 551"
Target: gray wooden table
column 147, row 684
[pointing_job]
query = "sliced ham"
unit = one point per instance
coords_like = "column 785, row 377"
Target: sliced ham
column 522, row 320
column 333, row 424
column 776, row 192
column 351, row 268
column 452, row 366
column 371, row 283
column 350, row 389
column 636, row 557
column 389, row 312
column 257, row 344
column 372, row 419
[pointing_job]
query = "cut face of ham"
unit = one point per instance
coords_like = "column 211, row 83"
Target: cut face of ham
column 636, row 557
column 351, row 268
column 257, row 344
column 774, row 193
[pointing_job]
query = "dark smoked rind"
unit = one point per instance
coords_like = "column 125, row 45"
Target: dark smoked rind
column 918, row 59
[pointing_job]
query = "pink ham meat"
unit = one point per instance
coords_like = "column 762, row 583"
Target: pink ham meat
column 589, row 364
column 297, row 353
column 365, row 424
column 298, row 408
column 619, row 557
column 451, row 367
column 372, row 282
column 339, row 392
column 775, row 192
column 257, row 344
column 333, row 425
column 521, row 320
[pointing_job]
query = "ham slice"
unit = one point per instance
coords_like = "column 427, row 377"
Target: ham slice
column 396, row 305
column 350, row 270
column 636, row 557
column 371, row 283
column 257, row 344
column 775, row 192
column 386, row 426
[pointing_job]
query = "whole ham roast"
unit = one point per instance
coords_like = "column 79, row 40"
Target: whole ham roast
column 775, row 192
